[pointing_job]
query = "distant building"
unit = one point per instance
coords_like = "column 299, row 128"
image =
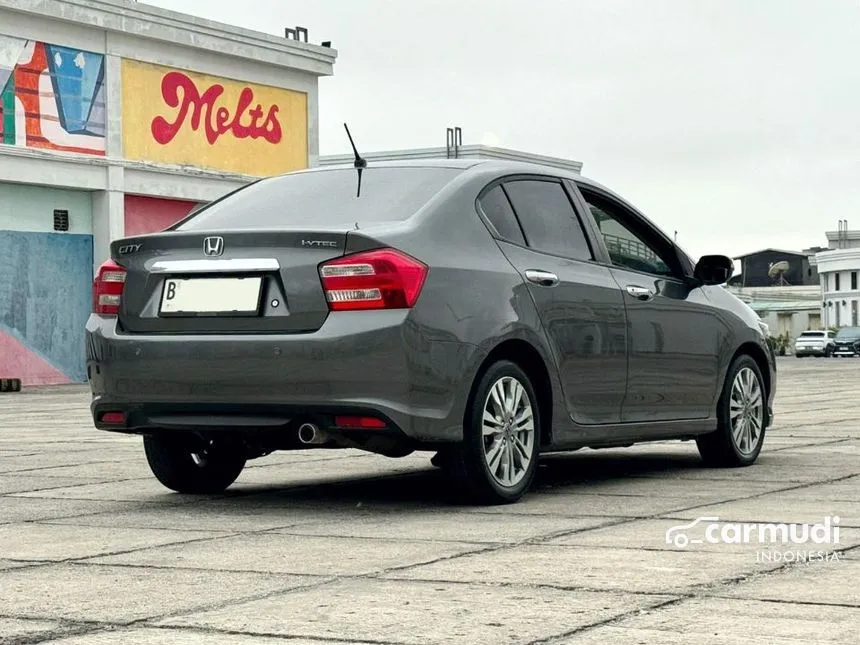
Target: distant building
column 118, row 119
column 776, row 268
column 782, row 287
column 838, row 268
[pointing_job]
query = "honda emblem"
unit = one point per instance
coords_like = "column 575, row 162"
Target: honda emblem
column 213, row 246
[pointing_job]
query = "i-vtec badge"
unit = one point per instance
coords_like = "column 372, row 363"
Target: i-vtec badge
column 129, row 248
column 319, row 243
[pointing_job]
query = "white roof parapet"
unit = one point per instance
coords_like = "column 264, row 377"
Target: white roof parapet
column 463, row 152
column 153, row 23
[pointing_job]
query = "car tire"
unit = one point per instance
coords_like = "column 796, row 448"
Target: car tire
column 741, row 418
column 498, row 467
column 173, row 463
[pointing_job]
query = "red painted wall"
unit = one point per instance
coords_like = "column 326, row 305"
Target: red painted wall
column 152, row 214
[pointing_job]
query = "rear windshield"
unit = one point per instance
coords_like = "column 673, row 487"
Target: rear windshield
column 848, row 333
column 812, row 334
column 324, row 198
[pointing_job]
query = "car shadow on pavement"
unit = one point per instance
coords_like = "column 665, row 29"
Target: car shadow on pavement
column 429, row 487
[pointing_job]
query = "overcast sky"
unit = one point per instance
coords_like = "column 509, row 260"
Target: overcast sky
column 734, row 122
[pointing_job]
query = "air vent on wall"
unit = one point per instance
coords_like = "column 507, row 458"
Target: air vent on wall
column 61, row 220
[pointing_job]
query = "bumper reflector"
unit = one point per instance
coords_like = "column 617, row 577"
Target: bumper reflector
column 358, row 422
column 113, row 418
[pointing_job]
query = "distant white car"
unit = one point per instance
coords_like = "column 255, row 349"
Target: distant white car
column 815, row 343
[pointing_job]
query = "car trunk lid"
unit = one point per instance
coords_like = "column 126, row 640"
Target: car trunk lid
column 240, row 281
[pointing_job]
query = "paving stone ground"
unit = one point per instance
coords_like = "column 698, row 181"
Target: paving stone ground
column 344, row 547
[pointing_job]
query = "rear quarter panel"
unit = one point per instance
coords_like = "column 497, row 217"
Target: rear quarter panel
column 472, row 301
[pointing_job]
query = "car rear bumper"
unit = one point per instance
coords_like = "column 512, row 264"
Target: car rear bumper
column 358, row 363
column 810, row 351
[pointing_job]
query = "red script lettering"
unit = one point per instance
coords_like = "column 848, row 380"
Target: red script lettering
column 179, row 91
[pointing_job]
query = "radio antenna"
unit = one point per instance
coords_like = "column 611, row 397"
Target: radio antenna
column 360, row 162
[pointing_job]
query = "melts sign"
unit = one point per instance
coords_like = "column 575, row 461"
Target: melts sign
column 180, row 117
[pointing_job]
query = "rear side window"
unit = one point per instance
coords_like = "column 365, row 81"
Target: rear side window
column 323, row 198
column 498, row 211
column 549, row 222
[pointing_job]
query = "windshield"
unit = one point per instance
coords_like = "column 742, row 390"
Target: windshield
column 324, row 198
column 848, row 333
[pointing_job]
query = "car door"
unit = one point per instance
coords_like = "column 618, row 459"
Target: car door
column 674, row 333
column 579, row 303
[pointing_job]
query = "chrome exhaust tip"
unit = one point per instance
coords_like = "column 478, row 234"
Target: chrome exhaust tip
column 309, row 433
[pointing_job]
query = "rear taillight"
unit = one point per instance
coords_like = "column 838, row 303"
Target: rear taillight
column 379, row 279
column 107, row 288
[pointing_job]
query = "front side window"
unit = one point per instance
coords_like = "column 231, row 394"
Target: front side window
column 627, row 249
column 548, row 219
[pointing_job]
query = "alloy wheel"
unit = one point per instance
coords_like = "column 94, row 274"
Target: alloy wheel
column 746, row 411
column 508, row 428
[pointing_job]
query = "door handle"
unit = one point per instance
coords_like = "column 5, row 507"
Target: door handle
column 543, row 278
column 640, row 293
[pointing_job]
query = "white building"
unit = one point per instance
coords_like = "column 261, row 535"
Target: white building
column 117, row 118
column 838, row 269
column 461, row 152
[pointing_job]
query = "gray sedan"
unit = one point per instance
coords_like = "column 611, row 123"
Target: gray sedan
column 488, row 311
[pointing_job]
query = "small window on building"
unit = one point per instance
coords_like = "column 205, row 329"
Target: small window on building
column 61, row 220
column 853, row 281
column 836, row 278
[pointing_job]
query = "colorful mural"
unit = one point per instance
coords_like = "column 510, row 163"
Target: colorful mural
column 45, row 300
column 51, row 97
column 180, row 117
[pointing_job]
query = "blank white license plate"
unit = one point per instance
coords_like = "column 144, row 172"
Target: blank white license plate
column 211, row 295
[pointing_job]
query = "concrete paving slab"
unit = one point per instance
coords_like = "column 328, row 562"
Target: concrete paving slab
column 196, row 516
column 849, row 448
column 124, row 594
column 124, row 490
column 831, row 583
column 53, row 457
column 27, row 509
column 577, row 504
column 780, row 507
column 717, row 621
column 652, row 534
column 130, row 467
column 174, row 636
column 19, row 483
column 11, row 564
column 590, row 568
column 309, row 473
column 279, row 553
column 54, row 542
column 443, row 526
column 419, row 613
column 19, row 629
column 693, row 490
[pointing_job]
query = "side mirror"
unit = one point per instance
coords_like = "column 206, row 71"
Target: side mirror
column 714, row 269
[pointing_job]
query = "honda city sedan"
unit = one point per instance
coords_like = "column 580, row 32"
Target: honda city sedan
column 487, row 311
